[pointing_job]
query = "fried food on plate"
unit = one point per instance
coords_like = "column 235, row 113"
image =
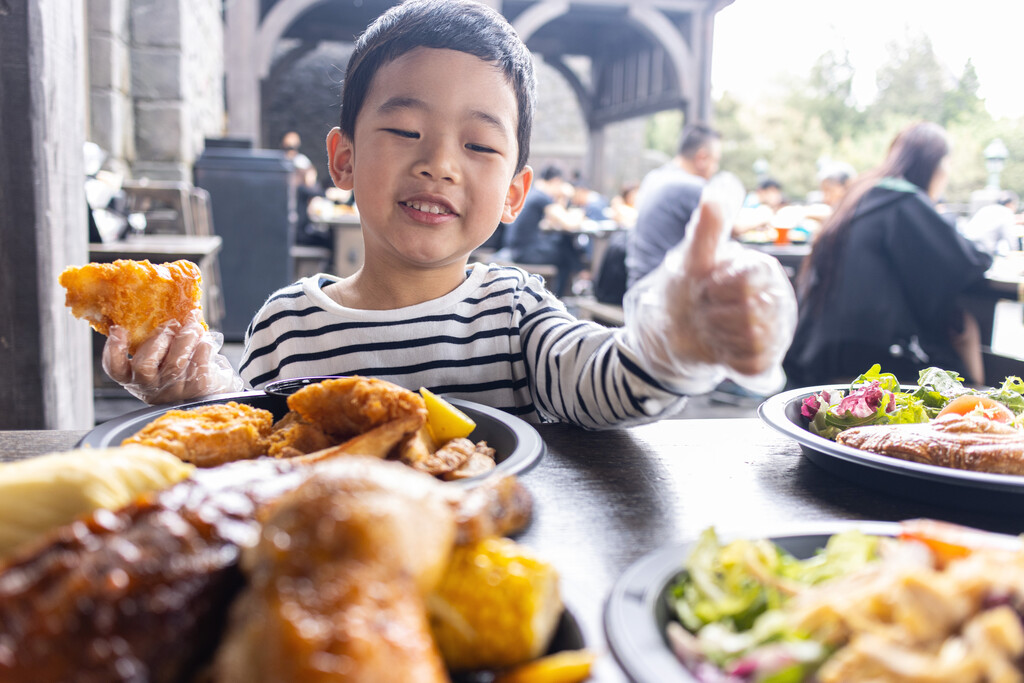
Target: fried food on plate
column 292, row 436
column 378, row 442
column 347, row 406
column 150, row 584
column 211, row 435
column 136, row 295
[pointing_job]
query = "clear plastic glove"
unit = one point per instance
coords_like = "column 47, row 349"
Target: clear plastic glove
column 178, row 362
column 713, row 310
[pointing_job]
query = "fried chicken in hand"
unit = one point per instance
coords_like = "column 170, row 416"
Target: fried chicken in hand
column 136, row 295
column 158, row 346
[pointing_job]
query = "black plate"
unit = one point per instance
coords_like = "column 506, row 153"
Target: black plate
column 903, row 478
column 637, row 611
column 516, row 443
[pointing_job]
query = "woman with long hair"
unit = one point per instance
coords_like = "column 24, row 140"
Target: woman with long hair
column 882, row 281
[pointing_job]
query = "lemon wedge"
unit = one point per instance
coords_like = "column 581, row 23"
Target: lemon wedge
column 446, row 422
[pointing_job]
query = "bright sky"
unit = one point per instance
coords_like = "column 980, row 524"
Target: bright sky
column 757, row 42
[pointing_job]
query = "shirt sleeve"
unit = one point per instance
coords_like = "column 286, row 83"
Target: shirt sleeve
column 582, row 372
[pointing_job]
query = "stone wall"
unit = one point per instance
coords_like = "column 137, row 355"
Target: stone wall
column 560, row 136
column 156, row 73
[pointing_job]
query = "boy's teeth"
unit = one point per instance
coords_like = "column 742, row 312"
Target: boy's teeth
column 427, row 208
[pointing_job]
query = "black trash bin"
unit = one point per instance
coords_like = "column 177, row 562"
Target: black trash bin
column 252, row 205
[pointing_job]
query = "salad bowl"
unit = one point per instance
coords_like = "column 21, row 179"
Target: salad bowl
column 902, row 478
column 640, row 609
column 637, row 612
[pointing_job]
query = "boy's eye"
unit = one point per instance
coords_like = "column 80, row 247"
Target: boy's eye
column 480, row 148
column 403, row 133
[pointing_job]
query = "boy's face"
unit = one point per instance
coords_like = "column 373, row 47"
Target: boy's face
column 433, row 161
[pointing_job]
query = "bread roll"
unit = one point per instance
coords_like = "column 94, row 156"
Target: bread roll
column 42, row 493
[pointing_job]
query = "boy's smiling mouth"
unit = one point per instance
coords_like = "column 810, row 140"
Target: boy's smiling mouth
column 428, row 207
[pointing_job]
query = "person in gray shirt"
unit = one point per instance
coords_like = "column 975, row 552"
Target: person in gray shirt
column 667, row 197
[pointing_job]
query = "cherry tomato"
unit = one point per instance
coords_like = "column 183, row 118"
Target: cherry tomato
column 992, row 409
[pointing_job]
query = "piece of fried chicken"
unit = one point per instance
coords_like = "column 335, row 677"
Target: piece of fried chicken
column 337, row 581
column 347, row 406
column 210, row 435
column 136, row 295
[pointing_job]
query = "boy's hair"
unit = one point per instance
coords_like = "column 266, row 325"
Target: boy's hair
column 462, row 25
column 696, row 136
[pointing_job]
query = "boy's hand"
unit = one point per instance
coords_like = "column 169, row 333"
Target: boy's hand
column 728, row 311
column 178, row 362
column 712, row 310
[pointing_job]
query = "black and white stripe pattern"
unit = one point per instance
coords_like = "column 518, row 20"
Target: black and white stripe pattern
column 500, row 339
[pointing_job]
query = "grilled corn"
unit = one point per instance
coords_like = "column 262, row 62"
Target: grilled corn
column 498, row 605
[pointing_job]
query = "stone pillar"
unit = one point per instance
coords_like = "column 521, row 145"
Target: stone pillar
column 176, row 68
column 242, row 72
column 110, row 111
column 45, row 354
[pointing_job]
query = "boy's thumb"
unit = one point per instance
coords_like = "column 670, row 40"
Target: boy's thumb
column 707, row 232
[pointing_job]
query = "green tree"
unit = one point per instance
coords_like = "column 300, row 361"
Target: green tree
column 912, row 83
column 962, row 103
column 828, row 95
column 739, row 150
column 664, row 130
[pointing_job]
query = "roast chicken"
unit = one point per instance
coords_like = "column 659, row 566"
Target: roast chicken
column 338, row 578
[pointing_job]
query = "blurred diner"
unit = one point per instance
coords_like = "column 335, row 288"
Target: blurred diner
column 543, row 231
column 622, row 207
column 882, row 281
column 668, row 196
column 997, row 228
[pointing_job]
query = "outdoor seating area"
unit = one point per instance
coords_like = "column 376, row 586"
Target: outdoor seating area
column 511, row 341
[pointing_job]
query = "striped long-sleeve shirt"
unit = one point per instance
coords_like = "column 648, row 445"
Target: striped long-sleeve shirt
column 500, row 339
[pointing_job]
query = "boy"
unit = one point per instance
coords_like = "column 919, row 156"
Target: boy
column 436, row 115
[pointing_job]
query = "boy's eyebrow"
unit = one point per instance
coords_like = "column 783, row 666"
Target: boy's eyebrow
column 405, row 102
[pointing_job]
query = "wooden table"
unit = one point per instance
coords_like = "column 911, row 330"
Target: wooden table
column 604, row 499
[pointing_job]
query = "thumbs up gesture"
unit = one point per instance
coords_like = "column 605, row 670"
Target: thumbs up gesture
column 714, row 310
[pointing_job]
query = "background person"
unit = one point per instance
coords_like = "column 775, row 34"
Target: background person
column 542, row 233
column 996, row 227
column 667, row 197
column 622, row 206
column 883, row 277
column 834, row 180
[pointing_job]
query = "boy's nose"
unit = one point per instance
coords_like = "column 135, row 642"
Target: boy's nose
column 439, row 162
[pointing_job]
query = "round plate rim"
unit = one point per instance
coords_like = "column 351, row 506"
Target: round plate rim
column 633, row 634
column 530, row 445
column 773, row 413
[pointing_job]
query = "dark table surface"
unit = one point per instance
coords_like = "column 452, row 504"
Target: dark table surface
column 604, row 499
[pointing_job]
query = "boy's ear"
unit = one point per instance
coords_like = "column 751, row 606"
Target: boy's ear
column 516, row 195
column 340, row 152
